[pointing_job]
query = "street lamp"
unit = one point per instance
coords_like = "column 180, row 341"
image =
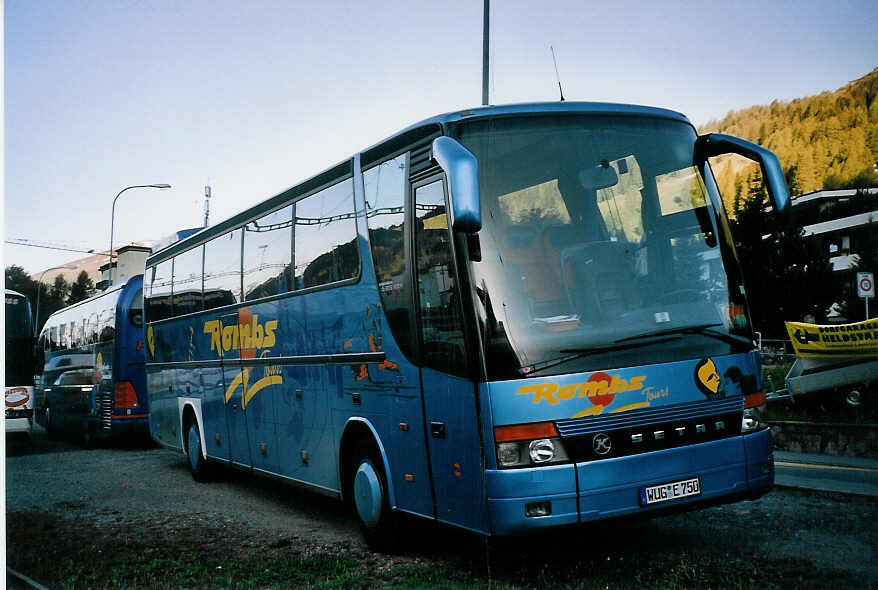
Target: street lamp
column 113, row 218
column 39, row 288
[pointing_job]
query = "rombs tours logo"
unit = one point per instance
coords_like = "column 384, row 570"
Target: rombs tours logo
column 250, row 338
column 600, row 389
column 708, row 380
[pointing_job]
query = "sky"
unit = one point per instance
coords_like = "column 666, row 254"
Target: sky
column 254, row 97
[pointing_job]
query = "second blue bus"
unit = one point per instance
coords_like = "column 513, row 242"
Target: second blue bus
column 93, row 383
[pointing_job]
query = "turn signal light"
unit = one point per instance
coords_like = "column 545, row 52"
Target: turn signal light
column 126, row 396
column 754, row 400
column 525, row 431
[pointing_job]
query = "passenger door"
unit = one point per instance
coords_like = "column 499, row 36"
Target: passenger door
column 451, row 421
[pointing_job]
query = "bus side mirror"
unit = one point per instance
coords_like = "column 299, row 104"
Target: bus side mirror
column 716, row 144
column 462, row 170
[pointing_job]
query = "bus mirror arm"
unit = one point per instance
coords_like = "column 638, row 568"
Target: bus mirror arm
column 461, row 168
column 716, row 144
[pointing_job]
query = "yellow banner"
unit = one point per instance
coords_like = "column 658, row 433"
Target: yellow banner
column 845, row 340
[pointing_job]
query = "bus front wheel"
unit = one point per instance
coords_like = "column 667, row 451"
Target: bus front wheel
column 369, row 487
column 202, row 471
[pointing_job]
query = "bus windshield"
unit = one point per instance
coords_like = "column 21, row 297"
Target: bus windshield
column 603, row 245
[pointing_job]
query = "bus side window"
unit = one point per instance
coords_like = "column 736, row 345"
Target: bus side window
column 135, row 311
column 187, row 282
column 222, row 270
column 158, row 304
column 385, row 196
column 108, row 325
column 267, row 254
column 325, row 237
column 440, row 317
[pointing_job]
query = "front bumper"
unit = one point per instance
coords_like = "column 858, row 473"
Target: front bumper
column 23, row 424
column 729, row 469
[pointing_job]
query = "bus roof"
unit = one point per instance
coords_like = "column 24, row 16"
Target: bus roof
column 113, row 289
column 13, row 293
column 435, row 125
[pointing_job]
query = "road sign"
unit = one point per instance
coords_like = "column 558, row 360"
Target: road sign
column 865, row 284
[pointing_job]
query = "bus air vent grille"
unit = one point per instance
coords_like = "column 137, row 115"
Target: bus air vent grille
column 634, row 418
column 651, row 429
column 104, row 403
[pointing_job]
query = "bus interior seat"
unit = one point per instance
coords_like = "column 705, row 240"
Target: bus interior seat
column 524, row 257
column 598, row 279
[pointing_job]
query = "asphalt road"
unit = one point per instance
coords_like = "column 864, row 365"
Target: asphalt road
column 789, row 532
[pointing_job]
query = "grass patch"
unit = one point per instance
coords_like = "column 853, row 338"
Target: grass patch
column 194, row 552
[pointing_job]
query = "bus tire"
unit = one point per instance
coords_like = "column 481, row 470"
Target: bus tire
column 202, row 471
column 51, row 431
column 88, row 437
column 378, row 522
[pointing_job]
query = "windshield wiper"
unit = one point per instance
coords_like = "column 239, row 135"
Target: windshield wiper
column 701, row 329
column 582, row 352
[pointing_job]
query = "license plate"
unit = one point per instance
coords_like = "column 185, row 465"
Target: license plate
column 670, row 491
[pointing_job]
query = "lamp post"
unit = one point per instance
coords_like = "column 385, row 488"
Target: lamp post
column 39, row 289
column 113, row 218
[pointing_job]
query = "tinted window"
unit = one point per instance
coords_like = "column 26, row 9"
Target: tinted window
column 18, row 317
column 385, row 195
column 325, row 246
column 187, row 282
column 94, row 316
column 135, row 312
column 158, row 304
column 222, row 270
column 441, row 328
column 267, row 252
column 107, row 318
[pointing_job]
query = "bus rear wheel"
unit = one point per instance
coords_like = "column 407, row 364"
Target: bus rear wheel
column 378, row 522
column 202, row 471
column 51, row 431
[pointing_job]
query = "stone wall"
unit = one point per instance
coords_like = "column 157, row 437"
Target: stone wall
column 848, row 440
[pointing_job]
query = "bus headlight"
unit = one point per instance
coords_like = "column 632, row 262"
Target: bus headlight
column 525, row 445
column 752, row 418
column 508, row 454
column 541, row 450
column 751, row 421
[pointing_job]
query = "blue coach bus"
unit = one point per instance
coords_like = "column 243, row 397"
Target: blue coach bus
column 93, row 382
column 505, row 319
column 19, row 369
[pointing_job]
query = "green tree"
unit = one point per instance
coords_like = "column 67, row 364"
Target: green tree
column 81, row 289
column 17, row 279
column 787, row 277
column 829, row 140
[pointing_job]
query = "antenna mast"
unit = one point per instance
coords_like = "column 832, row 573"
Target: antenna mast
column 485, row 38
column 557, row 77
column 206, row 205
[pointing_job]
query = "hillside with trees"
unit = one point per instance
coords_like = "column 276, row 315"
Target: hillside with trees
column 828, row 141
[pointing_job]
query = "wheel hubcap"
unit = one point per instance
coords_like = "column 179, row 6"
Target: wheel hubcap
column 854, row 398
column 367, row 494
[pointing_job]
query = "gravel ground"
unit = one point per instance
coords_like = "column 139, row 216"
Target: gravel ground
column 114, row 502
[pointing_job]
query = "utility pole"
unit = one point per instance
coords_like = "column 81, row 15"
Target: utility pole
column 485, row 39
